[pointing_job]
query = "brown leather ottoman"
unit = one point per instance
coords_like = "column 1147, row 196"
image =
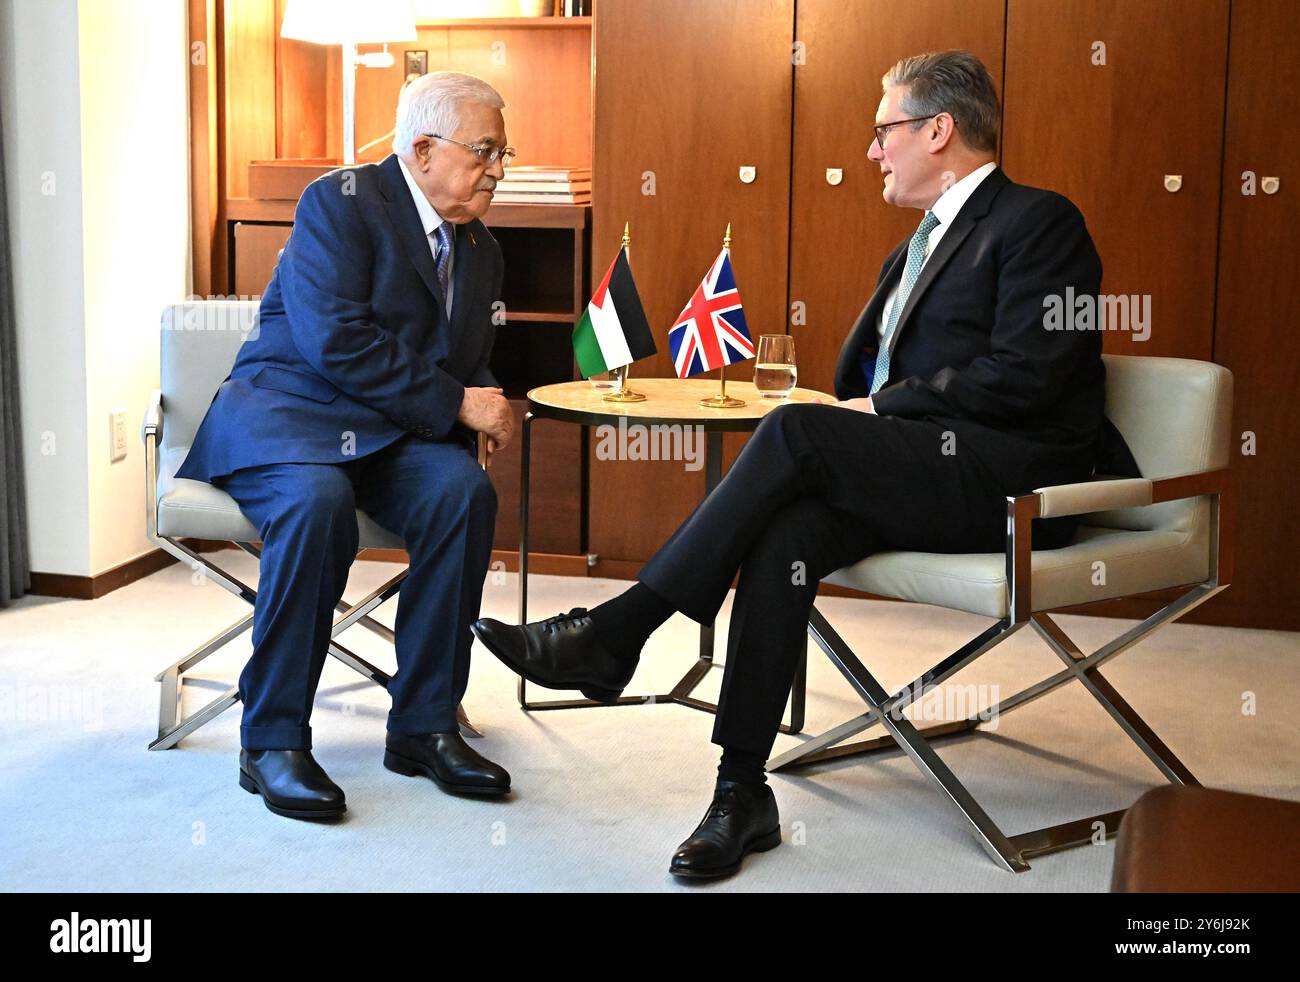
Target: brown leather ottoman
column 1188, row 839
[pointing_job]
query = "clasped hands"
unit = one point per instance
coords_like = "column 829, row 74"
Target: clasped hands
column 486, row 410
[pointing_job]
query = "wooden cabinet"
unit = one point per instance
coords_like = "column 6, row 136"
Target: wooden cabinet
column 1257, row 313
column 1102, row 100
column 686, row 94
column 256, row 249
column 841, row 233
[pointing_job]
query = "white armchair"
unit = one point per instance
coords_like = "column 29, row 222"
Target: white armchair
column 1142, row 535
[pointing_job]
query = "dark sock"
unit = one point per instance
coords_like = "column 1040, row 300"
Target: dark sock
column 742, row 767
column 624, row 623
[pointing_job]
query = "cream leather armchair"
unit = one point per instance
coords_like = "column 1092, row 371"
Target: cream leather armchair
column 1135, row 536
column 198, row 344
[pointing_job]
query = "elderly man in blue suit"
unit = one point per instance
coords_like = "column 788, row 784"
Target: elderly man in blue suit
column 365, row 387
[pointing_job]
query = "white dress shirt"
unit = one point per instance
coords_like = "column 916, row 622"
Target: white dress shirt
column 945, row 209
column 430, row 219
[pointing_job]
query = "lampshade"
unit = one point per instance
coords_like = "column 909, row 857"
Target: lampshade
column 349, row 21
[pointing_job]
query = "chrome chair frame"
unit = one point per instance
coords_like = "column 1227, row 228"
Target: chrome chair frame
column 173, row 724
column 1013, row 852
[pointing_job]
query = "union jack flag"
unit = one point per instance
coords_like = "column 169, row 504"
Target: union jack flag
column 711, row 331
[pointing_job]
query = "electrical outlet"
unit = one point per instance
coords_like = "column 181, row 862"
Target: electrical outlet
column 117, row 442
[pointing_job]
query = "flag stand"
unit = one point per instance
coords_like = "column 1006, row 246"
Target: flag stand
column 722, row 400
column 623, row 393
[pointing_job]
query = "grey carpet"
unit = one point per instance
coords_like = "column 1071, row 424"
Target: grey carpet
column 602, row 795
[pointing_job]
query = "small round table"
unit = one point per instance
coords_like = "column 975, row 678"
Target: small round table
column 668, row 402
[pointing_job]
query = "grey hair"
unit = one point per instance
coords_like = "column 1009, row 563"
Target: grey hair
column 955, row 82
column 431, row 104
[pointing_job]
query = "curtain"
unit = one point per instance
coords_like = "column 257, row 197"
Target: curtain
column 15, row 574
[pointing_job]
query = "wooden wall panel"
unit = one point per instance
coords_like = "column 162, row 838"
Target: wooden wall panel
column 301, row 94
column 207, row 266
column 1106, row 135
column 544, row 77
column 1258, row 310
column 282, row 98
column 688, row 92
column 543, row 73
column 257, row 249
column 841, row 234
column 249, row 32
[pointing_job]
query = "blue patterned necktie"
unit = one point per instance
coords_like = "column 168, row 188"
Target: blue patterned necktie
column 443, row 232
column 915, row 260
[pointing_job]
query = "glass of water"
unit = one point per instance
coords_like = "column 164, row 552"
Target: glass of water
column 774, row 368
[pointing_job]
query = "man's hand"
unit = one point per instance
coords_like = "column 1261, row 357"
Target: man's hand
column 862, row 405
column 486, row 410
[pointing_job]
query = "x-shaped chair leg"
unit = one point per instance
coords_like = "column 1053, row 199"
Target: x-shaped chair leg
column 174, row 727
column 889, row 713
column 1010, row 852
column 829, row 745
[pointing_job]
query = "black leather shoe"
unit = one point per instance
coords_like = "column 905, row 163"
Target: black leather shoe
column 291, row 783
column 448, row 759
column 561, row 652
column 742, row 819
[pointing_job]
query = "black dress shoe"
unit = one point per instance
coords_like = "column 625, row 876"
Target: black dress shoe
column 742, row 819
column 448, row 759
column 561, row 652
column 291, row 783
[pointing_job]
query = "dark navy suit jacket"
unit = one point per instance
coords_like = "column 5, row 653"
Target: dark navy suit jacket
column 970, row 350
column 353, row 347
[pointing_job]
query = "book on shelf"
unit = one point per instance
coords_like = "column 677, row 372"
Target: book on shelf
column 546, row 187
column 543, row 185
column 540, row 198
column 547, row 174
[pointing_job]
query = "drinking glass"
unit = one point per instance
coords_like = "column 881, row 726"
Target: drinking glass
column 774, row 368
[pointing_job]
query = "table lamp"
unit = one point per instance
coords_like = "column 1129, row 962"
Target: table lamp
column 349, row 23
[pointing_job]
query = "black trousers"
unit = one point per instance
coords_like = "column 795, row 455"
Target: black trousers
column 815, row 489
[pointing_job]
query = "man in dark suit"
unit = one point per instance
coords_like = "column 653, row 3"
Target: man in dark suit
column 953, row 395
column 364, row 387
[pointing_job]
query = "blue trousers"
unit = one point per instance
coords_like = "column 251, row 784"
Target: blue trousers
column 441, row 502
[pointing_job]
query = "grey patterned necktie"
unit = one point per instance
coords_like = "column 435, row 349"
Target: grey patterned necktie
column 443, row 232
column 915, row 260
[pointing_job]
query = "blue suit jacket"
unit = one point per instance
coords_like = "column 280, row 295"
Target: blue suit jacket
column 353, row 347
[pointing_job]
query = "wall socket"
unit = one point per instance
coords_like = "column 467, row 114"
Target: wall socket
column 117, row 436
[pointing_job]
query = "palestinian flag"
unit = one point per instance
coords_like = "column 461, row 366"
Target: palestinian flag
column 613, row 331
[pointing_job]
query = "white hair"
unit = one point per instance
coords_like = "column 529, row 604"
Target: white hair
column 431, row 104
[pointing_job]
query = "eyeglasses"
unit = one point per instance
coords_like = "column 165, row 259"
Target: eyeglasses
column 486, row 155
column 882, row 129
